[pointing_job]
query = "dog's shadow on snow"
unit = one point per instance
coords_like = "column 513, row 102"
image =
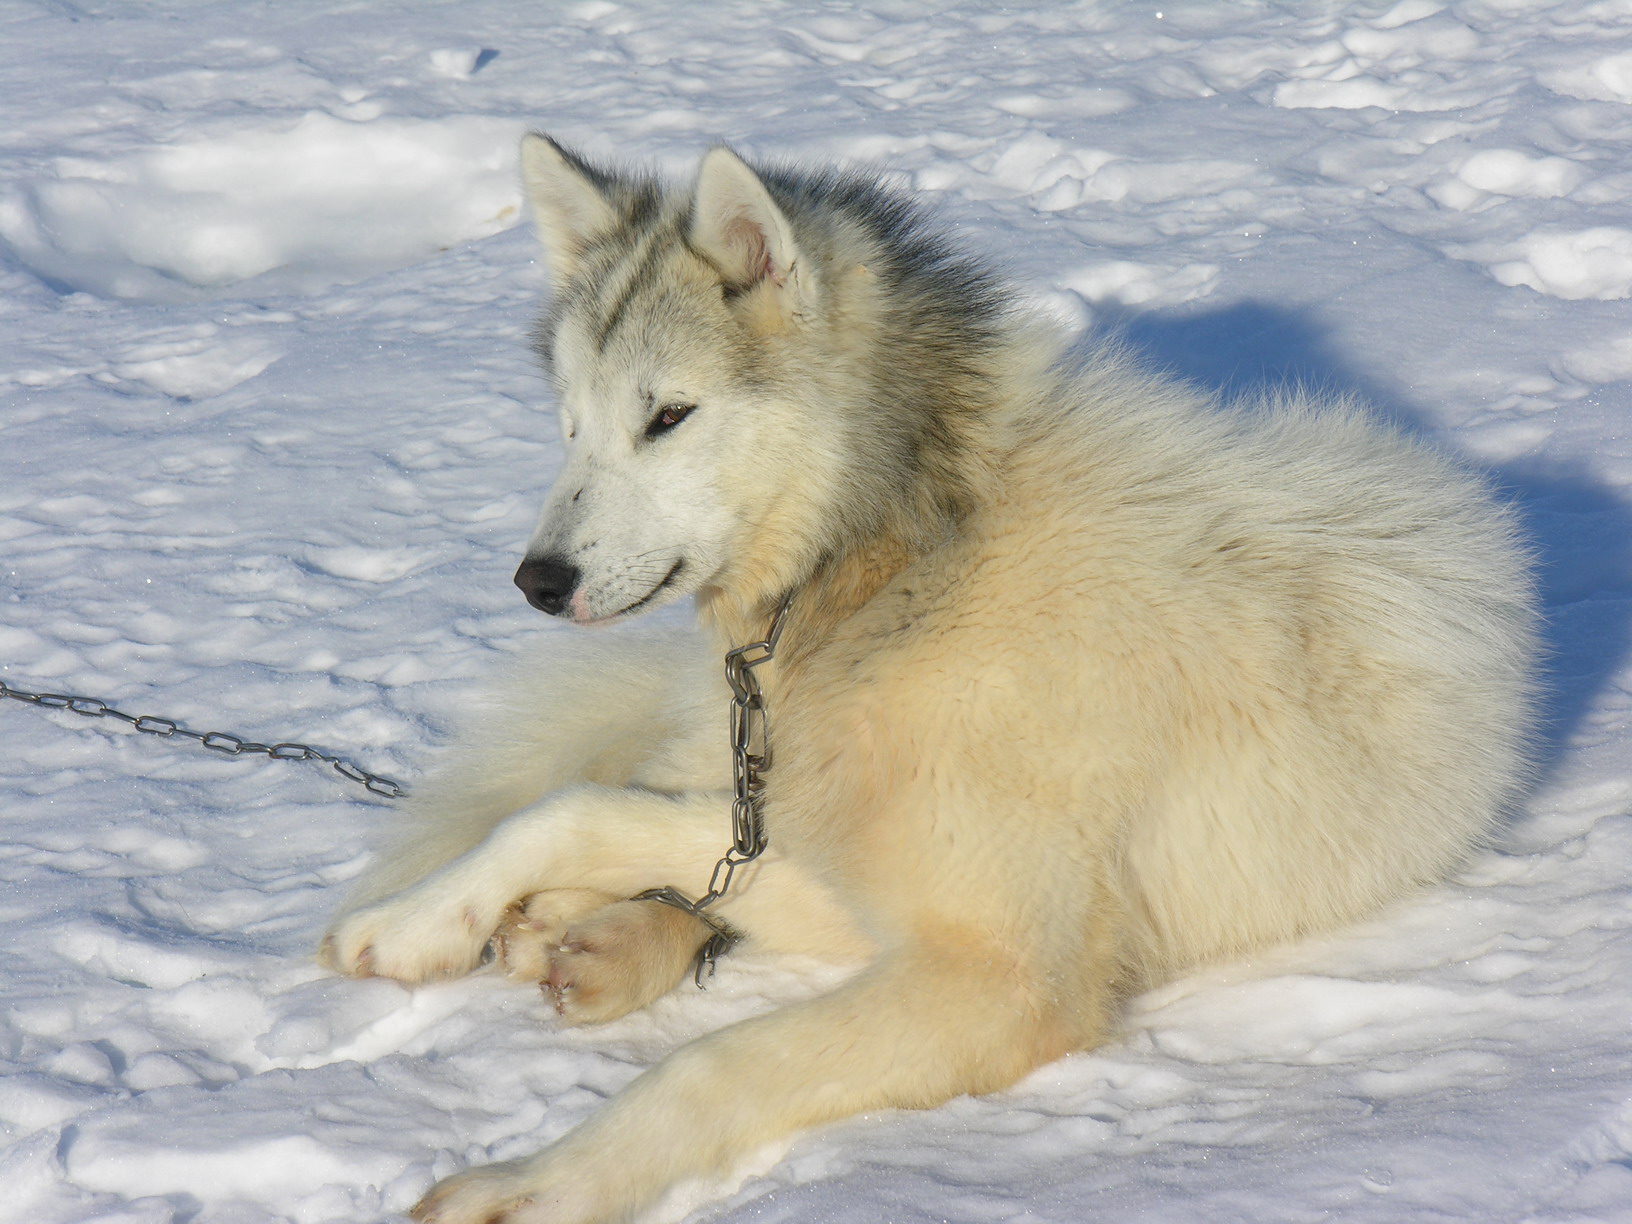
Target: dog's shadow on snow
column 1580, row 529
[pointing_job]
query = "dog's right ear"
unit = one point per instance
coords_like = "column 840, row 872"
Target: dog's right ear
column 569, row 199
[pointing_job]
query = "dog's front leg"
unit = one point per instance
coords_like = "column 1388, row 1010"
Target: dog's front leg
column 950, row 1016
column 614, row 840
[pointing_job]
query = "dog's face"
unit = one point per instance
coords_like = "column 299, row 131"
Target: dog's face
column 673, row 430
column 645, row 510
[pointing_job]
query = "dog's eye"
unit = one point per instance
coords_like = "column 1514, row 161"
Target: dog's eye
column 667, row 418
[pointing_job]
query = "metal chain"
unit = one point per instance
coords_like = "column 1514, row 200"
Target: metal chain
column 215, row 741
column 750, row 761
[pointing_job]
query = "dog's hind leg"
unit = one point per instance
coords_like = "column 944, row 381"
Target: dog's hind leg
column 954, row 1013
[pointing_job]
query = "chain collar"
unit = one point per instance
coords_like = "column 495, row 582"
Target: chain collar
column 750, row 761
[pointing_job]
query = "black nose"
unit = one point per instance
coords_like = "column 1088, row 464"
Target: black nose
column 547, row 582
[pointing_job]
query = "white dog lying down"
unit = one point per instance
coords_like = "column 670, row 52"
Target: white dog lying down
column 1085, row 678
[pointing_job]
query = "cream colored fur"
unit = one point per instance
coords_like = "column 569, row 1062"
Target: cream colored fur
column 1167, row 684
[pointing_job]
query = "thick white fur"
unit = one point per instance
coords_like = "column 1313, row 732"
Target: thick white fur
column 1180, row 682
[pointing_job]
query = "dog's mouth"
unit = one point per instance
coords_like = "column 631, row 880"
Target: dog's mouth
column 664, row 584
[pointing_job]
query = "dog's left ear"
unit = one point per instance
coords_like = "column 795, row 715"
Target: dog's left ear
column 738, row 226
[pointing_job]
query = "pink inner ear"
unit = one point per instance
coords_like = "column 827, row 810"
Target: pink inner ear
column 749, row 237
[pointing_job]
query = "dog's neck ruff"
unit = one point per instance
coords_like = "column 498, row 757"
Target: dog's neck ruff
column 750, row 761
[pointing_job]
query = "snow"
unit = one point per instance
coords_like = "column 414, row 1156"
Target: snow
column 273, row 441
column 305, row 205
column 1589, row 263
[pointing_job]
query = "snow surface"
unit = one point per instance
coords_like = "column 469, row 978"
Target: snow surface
column 273, row 441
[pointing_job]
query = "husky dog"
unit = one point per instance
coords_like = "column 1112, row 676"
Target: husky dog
column 1085, row 679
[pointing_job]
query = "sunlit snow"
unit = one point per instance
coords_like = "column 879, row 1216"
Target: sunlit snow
column 273, row 441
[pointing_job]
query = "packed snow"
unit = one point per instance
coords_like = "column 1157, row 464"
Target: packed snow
column 274, row 440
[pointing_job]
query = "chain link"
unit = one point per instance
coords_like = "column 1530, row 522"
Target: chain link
column 215, row 741
column 750, row 760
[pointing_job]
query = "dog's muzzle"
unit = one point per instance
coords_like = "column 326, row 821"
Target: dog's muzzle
column 548, row 582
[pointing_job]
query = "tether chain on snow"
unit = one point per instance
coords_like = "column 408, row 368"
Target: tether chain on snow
column 215, row 741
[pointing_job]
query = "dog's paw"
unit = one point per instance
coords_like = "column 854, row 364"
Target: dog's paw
column 620, row 958
column 408, row 938
column 515, row 1192
column 533, row 929
column 494, row 1194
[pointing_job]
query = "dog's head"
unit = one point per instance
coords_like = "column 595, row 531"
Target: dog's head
column 668, row 340
column 756, row 372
